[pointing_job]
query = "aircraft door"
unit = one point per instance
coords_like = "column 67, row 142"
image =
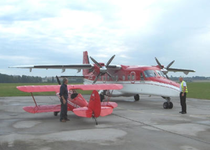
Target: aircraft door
column 141, row 77
column 133, row 77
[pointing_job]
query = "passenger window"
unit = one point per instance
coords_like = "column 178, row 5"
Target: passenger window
column 128, row 77
column 123, row 77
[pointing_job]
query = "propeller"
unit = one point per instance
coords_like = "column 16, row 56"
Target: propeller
column 163, row 69
column 58, row 80
column 103, row 69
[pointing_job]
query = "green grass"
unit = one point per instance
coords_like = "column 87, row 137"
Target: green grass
column 9, row 89
column 199, row 90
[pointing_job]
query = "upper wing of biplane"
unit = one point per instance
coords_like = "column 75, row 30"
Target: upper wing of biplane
column 56, row 88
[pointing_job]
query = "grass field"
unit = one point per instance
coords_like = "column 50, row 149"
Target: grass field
column 199, row 90
column 9, row 89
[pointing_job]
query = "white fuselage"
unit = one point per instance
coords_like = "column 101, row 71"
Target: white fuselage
column 142, row 87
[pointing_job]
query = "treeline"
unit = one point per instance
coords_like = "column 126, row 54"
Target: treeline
column 19, row 79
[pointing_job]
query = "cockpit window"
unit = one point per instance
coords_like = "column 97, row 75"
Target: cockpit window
column 160, row 73
column 149, row 73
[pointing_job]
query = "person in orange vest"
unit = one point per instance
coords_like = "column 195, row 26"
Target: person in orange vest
column 183, row 94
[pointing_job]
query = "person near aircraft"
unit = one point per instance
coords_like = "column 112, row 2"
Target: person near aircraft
column 74, row 94
column 63, row 98
column 183, row 94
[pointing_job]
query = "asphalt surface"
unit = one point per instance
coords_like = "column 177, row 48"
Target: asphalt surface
column 133, row 125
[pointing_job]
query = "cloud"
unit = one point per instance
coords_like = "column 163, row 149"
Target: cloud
column 135, row 31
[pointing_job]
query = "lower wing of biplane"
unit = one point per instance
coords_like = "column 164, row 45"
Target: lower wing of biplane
column 78, row 105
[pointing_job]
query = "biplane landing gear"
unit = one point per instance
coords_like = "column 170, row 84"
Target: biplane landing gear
column 102, row 97
column 168, row 104
column 136, row 97
column 56, row 113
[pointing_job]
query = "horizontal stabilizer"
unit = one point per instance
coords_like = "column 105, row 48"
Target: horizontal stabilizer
column 87, row 113
column 83, row 112
column 109, row 104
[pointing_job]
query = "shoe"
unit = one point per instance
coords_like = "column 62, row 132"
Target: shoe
column 183, row 112
column 180, row 112
column 67, row 119
column 63, row 120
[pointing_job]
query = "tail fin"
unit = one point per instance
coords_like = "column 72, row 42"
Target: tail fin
column 95, row 104
column 94, row 108
column 85, row 61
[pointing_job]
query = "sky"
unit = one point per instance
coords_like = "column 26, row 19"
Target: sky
column 136, row 31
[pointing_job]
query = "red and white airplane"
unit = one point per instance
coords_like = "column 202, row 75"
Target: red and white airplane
column 145, row 80
column 76, row 102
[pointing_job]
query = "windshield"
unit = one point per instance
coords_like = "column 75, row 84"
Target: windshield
column 149, row 73
column 160, row 73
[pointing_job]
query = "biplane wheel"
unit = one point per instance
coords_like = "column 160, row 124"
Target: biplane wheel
column 165, row 105
column 136, row 97
column 170, row 106
column 56, row 113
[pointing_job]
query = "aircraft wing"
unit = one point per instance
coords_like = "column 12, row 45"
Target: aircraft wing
column 56, row 88
column 63, row 67
column 185, row 71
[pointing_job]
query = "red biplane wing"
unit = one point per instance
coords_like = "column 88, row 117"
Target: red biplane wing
column 56, row 88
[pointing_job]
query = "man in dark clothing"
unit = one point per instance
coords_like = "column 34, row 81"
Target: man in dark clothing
column 64, row 100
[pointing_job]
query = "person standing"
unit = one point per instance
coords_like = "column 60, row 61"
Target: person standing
column 64, row 98
column 183, row 94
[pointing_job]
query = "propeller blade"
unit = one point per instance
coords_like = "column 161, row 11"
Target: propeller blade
column 167, row 76
column 109, row 75
column 96, row 78
column 159, row 64
column 110, row 60
column 169, row 65
column 95, row 62
column 58, row 80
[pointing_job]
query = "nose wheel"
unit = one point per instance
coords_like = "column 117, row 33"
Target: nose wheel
column 168, row 104
column 56, row 113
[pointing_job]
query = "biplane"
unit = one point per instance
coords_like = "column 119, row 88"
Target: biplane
column 76, row 102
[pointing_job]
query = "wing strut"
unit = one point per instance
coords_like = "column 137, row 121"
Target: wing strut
column 33, row 99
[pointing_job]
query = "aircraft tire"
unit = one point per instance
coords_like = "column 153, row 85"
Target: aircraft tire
column 165, row 105
column 170, row 105
column 136, row 97
column 56, row 113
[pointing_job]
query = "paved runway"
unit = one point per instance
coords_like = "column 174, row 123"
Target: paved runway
column 133, row 125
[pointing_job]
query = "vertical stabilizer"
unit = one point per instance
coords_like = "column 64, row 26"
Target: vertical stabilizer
column 95, row 104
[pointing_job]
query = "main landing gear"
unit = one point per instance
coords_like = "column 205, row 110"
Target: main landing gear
column 168, row 104
column 56, row 113
column 137, row 97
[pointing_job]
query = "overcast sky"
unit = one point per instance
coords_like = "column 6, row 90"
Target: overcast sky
column 136, row 31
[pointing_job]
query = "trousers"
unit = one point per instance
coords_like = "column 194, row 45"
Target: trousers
column 183, row 102
column 63, row 113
